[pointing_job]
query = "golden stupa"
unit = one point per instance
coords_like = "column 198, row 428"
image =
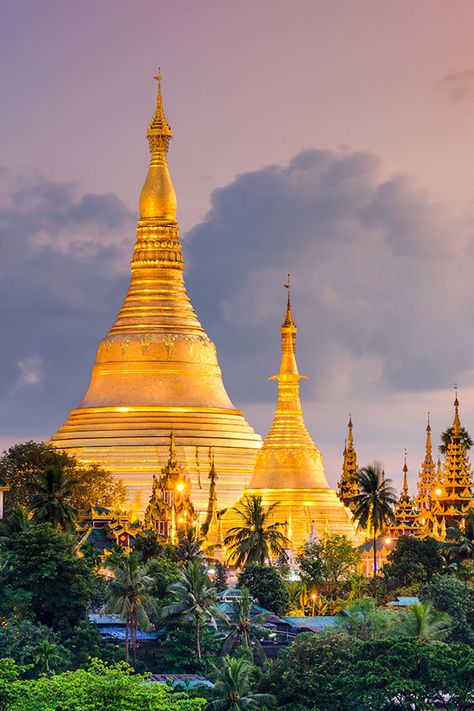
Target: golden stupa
column 289, row 467
column 157, row 370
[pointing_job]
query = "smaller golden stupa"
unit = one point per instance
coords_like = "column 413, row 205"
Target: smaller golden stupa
column 289, row 467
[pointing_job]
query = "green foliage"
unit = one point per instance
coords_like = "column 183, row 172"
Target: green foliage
column 412, row 562
column 194, row 597
column 147, row 545
column 246, row 630
column 335, row 673
column 45, row 575
column 100, row 686
column 362, row 619
column 220, row 579
column 28, row 643
column 256, row 540
column 446, row 436
column 373, row 506
column 454, row 596
column 177, row 653
column 23, row 463
column 423, row 623
column 233, row 687
column 130, row 597
column 267, row 587
column 164, row 571
column 189, row 546
column 329, row 566
column 51, row 493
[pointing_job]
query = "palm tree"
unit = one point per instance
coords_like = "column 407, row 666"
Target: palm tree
column 246, row 629
column 460, row 543
column 373, row 506
column 189, row 545
column 424, row 624
column 466, row 439
column 51, row 493
column 130, row 597
column 195, row 598
column 233, row 688
column 15, row 521
column 47, row 657
column 256, row 539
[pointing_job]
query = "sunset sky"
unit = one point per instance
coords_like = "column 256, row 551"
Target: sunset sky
column 332, row 140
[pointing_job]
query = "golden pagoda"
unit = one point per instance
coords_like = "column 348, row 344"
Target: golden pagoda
column 157, row 369
column 289, row 467
column 348, row 488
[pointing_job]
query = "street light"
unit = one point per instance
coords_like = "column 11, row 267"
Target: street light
column 313, row 598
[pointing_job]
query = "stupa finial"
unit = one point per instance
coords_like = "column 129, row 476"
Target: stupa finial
column 456, row 421
column 158, row 198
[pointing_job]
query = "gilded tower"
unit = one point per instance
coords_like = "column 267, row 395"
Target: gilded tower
column 157, row 369
column 289, row 467
column 427, row 474
column 405, row 510
column 348, row 488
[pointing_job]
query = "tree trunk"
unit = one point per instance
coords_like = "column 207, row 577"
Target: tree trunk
column 198, row 636
column 126, row 640
column 375, row 566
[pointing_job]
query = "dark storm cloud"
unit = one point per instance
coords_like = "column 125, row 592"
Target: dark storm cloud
column 459, row 86
column 382, row 277
column 62, row 275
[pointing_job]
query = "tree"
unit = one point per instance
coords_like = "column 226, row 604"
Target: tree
column 27, row 643
column 51, row 493
column 446, row 436
column 459, row 545
column 456, row 597
column 267, row 587
column 130, row 597
column 194, row 597
column 329, row 565
column 256, row 540
column 373, row 506
column 147, row 545
column 99, row 686
column 189, row 546
column 23, row 463
column 362, row 619
column 45, row 574
column 247, row 630
column 423, row 623
column 15, row 521
column 233, row 687
column 412, row 561
column 220, row 578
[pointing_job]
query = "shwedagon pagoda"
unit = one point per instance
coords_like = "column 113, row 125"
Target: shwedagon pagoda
column 157, row 415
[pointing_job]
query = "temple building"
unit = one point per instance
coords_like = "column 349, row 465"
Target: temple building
column 170, row 509
column 157, row 369
column 406, row 512
column 348, row 487
column 289, row 467
column 453, row 495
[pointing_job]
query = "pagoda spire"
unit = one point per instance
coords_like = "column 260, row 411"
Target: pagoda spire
column 405, row 510
column 158, row 198
column 348, row 487
column 405, row 495
column 288, row 458
column 427, row 475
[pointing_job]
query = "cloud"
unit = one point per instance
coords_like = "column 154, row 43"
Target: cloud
column 458, row 86
column 382, row 277
column 63, row 273
column 31, row 371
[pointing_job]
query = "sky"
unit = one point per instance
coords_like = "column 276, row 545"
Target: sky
column 332, row 140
